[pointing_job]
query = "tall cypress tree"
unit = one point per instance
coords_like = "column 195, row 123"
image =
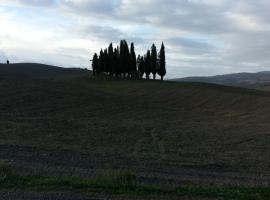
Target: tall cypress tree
column 154, row 60
column 133, row 66
column 111, row 59
column 95, row 64
column 122, row 57
column 147, row 63
column 140, row 65
column 106, row 61
column 117, row 63
column 100, row 62
column 127, row 68
column 162, row 62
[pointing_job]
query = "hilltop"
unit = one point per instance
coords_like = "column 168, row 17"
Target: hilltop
column 60, row 121
column 36, row 71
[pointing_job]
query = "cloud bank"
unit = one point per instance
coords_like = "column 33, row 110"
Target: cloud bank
column 202, row 37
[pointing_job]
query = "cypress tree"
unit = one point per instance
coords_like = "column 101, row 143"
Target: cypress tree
column 147, row 63
column 162, row 62
column 117, row 64
column 140, row 64
column 154, row 60
column 101, row 62
column 133, row 66
column 111, row 59
column 95, row 64
column 106, row 61
column 122, row 56
column 127, row 68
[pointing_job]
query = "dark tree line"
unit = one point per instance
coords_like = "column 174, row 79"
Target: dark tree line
column 121, row 62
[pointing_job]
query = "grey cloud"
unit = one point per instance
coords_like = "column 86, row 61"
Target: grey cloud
column 46, row 3
column 89, row 7
column 191, row 46
column 249, row 47
column 240, row 29
column 101, row 32
column 183, row 15
column 108, row 34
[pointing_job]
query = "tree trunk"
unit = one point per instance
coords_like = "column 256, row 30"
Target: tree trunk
column 162, row 78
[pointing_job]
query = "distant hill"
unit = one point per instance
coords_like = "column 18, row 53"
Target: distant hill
column 38, row 71
column 61, row 122
column 260, row 80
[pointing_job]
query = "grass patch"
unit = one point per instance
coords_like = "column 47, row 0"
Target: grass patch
column 125, row 182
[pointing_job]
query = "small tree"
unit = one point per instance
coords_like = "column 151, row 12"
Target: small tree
column 162, row 62
column 95, row 64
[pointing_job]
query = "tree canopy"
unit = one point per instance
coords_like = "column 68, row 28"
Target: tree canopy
column 121, row 62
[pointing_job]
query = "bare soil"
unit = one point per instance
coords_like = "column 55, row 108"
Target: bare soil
column 61, row 122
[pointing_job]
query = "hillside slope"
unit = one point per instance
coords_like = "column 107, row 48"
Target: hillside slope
column 72, row 124
column 36, row 71
column 260, row 80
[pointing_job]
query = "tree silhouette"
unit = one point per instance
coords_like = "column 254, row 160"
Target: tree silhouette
column 154, row 60
column 121, row 62
column 133, row 66
column 100, row 62
column 95, row 64
column 111, row 59
column 116, row 62
column 124, row 57
column 147, row 64
column 162, row 62
column 106, row 61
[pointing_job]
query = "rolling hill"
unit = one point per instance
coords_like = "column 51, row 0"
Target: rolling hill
column 36, row 71
column 61, row 121
column 260, row 80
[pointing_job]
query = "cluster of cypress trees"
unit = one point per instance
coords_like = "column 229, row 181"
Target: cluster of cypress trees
column 121, row 62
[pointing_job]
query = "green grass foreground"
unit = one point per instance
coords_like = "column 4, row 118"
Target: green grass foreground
column 123, row 182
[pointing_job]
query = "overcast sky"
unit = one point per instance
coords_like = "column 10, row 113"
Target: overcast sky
column 202, row 37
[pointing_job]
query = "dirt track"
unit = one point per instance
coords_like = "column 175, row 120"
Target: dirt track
column 40, row 196
column 61, row 196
